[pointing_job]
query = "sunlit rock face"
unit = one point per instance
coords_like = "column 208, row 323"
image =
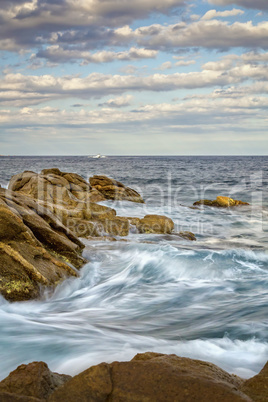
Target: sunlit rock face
column 36, row 250
column 148, row 377
column 221, row 202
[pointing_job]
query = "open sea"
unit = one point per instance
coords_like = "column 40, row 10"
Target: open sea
column 206, row 300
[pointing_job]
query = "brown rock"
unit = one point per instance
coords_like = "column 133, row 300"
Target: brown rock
column 54, row 186
column 116, row 226
column 221, row 202
column 257, row 387
column 187, row 235
column 32, row 380
column 154, row 224
column 34, row 250
column 44, row 225
column 8, row 397
column 93, row 385
column 114, row 190
column 152, row 377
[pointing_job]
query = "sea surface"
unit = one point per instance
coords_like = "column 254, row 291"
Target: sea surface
column 205, row 300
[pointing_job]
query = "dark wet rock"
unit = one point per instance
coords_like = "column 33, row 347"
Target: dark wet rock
column 151, row 377
column 187, row 235
column 114, row 190
column 32, row 380
column 221, row 202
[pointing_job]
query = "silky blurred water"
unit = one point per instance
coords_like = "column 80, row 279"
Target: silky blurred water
column 206, row 299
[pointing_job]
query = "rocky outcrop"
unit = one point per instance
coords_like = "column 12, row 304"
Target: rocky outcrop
column 73, row 200
column 33, row 380
column 114, row 190
column 148, row 377
column 221, row 202
column 257, row 387
column 36, row 250
column 153, row 224
column 43, row 215
column 54, row 186
column 152, row 377
column 64, row 188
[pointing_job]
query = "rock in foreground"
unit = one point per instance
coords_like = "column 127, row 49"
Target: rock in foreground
column 148, row 377
column 257, row 387
column 221, row 202
column 36, row 250
column 33, row 380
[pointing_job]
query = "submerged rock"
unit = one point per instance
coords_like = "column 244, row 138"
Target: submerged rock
column 187, row 235
column 148, row 377
column 114, row 190
column 221, row 202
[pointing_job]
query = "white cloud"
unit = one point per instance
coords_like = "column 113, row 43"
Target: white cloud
column 24, row 21
column 223, row 14
column 188, row 112
column 165, row 66
column 206, row 33
column 118, row 102
column 184, row 63
column 18, row 89
column 57, row 54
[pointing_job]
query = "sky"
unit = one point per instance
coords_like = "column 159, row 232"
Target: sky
column 134, row 77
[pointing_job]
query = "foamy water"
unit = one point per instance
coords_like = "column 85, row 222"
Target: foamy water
column 205, row 300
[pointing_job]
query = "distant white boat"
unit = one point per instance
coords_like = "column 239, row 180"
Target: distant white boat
column 98, row 156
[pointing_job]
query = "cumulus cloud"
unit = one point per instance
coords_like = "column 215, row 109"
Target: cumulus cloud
column 209, row 108
column 255, row 4
column 165, row 66
column 18, row 89
column 22, row 22
column 211, row 34
column 118, row 102
column 58, row 54
column 184, row 63
column 228, row 13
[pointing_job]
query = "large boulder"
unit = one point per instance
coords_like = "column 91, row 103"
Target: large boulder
column 54, row 186
column 35, row 250
column 148, row 377
column 257, row 387
column 152, row 377
column 114, row 190
column 221, row 202
column 33, row 380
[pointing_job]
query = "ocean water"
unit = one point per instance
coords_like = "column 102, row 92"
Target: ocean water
column 205, row 300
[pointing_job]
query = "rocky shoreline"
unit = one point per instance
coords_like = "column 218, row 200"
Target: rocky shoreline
column 44, row 216
column 148, row 377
